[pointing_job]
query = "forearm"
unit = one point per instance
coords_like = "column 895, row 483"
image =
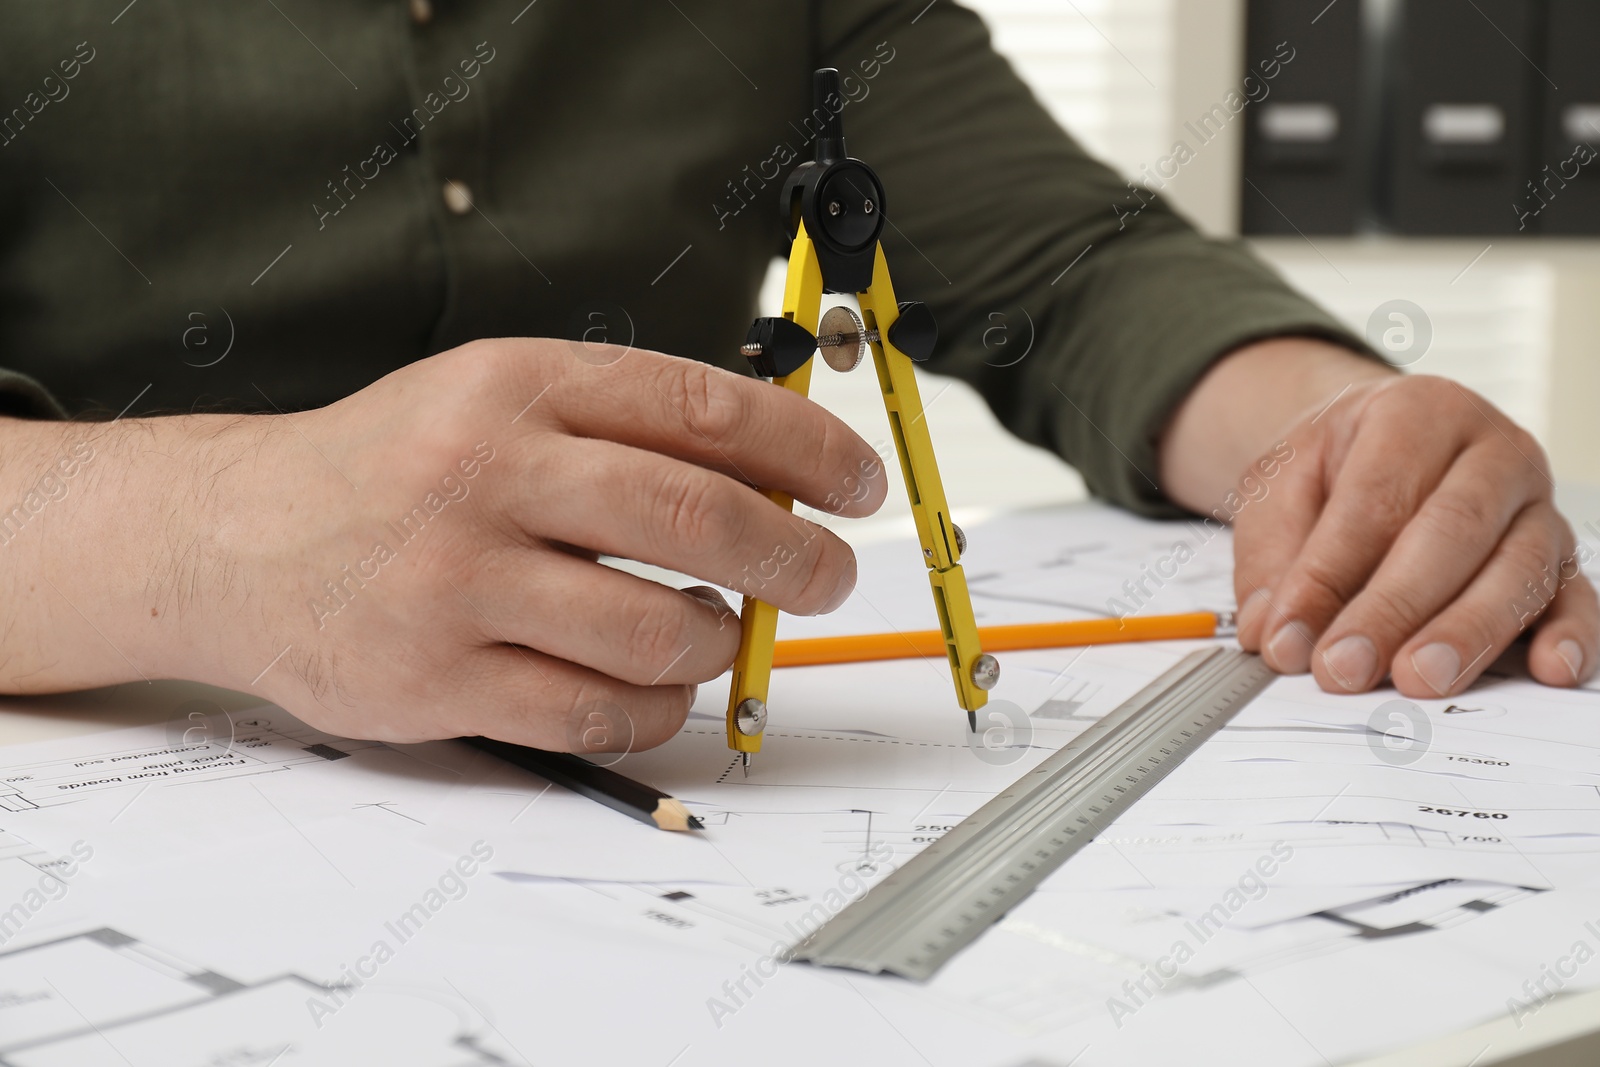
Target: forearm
column 104, row 546
column 1245, row 404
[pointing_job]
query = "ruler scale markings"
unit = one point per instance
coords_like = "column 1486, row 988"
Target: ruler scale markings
column 943, row 898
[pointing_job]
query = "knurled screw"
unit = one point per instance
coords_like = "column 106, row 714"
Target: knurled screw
column 829, row 340
column 751, row 717
column 985, row 672
column 841, row 339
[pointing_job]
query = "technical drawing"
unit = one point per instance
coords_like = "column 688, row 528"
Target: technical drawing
column 267, row 739
column 101, row 998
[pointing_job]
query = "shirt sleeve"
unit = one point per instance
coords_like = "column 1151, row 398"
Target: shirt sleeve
column 1011, row 233
column 22, row 397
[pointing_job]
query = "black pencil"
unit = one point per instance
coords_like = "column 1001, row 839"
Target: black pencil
column 598, row 783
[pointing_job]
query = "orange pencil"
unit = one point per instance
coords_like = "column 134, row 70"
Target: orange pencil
column 859, row 648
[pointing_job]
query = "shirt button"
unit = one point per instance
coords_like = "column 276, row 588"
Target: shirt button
column 457, row 197
column 422, row 12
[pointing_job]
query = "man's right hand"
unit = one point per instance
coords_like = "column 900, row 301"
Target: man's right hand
column 418, row 560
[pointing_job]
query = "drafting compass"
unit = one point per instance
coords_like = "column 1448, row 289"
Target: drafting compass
column 833, row 210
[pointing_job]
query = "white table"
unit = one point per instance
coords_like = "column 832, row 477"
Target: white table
column 1566, row 1033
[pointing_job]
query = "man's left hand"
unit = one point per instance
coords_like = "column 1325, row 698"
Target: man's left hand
column 1411, row 532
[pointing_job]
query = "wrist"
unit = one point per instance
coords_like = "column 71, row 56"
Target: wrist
column 111, row 566
column 200, row 514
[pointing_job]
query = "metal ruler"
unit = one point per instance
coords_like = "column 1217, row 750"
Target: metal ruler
column 945, row 896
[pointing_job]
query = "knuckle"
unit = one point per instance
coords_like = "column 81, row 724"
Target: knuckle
column 1572, row 554
column 697, row 511
column 1492, row 424
column 1455, row 513
column 1578, row 600
column 1491, row 622
column 1427, row 392
column 1395, row 609
column 1322, row 587
column 1428, row 389
column 707, row 399
column 477, row 367
column 592, row 713
column 1387, row 507
column 1529, row 563
column 582, row 729
column 436, row 446
column 1529, row 448
column 654, row 640
column 545, row 720
column 456, row 421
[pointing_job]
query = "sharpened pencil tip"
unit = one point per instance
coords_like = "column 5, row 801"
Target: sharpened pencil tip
column 695, row 823
column 670, row 814
column 744, row 758
column 972, row 722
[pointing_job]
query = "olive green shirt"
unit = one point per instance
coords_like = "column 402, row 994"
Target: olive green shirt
column 264, row 206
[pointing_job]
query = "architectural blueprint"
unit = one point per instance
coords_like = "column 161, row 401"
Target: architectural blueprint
column 101, row 997
column 1328, row 877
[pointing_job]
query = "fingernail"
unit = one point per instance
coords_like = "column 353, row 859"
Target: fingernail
column 694, row 692
column 1438, row 664
column 1351, row 661
column 1259, row 602
column 709, row 596
column 1571, row 654
column 841, row 593
column 1290, row 649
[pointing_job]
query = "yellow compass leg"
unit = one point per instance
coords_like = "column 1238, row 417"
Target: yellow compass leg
column 758, row 620
column 940, row 550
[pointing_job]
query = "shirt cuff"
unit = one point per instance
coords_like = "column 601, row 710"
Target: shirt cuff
column 24, row 398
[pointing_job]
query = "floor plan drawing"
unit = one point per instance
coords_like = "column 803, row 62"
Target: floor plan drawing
column 104, row 999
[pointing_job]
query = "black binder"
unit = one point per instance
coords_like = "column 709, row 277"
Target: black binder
column 1564, row 197
column 1304, row 146
column 1466, row 86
